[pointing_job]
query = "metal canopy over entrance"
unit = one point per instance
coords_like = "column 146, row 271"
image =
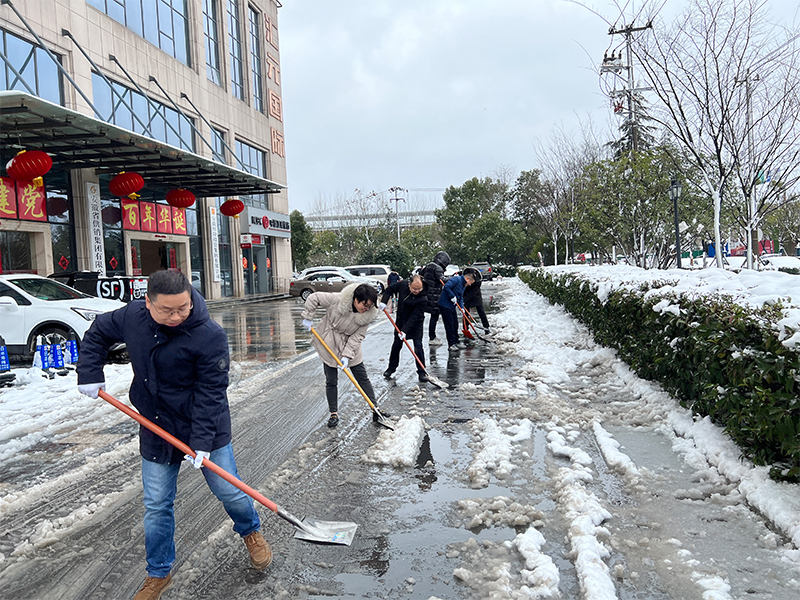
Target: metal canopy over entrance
column 77, row 141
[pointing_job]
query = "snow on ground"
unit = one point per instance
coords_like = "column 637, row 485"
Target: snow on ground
column 398, row 448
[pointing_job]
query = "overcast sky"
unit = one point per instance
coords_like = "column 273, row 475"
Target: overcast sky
column 425, row 94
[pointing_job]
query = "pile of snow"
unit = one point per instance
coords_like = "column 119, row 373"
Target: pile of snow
column 398, row 448
column 517, row 388
column 540, row 571
column 500, row 510
column 494, row 448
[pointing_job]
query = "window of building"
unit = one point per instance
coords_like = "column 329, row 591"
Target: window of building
column 33, row 65
column 163, row 23
column 218, row 145
column 165, row 124
column 254, row 161
column 211, row 30
column 61, row 218
column 255, row 59
column 235, row 49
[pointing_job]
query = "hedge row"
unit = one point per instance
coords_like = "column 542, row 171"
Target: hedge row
column 717, row 357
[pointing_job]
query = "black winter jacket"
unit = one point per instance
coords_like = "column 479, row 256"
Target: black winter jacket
column 472, row 295
column 180, row 375
column 433, row 275
column 410, row 308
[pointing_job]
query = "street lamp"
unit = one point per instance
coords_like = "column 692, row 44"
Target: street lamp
column 675, row 189
column 397, row 199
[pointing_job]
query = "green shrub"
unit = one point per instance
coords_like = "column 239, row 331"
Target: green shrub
column 718, row 358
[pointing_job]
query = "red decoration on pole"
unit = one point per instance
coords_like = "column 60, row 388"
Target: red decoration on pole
column 180, row 198
column 232, row 208
column 29, row 166
column 126, row 184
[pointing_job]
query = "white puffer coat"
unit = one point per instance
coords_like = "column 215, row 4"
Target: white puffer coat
column 342, row 328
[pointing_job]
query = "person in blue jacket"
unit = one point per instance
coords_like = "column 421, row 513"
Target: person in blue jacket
column 180, row 378
column 452, row 294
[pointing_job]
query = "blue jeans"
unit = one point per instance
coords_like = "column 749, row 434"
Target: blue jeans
column 160, row 482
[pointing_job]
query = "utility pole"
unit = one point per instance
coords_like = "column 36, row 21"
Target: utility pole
column 614, row 65
column 397, row 200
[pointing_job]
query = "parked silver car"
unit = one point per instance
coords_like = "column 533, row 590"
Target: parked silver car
column 327, row 281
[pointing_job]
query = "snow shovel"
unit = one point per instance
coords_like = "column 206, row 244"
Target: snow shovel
column 434, row 380
column 381, row 419
column 329, row 532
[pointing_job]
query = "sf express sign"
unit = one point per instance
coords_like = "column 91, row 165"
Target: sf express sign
column 268, row 223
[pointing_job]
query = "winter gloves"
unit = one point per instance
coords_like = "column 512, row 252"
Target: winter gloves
column 381, row 305
column 91, row 389
column 308, row 324
column 345, row 362
column 197, row 461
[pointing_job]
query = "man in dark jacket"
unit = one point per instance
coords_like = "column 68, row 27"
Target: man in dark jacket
column 411, row 302
column 452, row 294
column 473, row 298
column 433, row 275
column 180, row 379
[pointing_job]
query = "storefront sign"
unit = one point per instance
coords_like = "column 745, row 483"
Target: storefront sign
column 265, row 223
column 179, row 220
column 98, row 256
column 8, row 198
column 31, row 202
column 130, row 214
column 147, row 215
column 164, row 218
column 213, row 226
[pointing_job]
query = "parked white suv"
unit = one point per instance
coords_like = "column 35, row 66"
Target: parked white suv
column 31, row 305
column 379, row 272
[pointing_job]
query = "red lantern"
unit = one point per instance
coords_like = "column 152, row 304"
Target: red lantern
column 126, row 184
column 57, row 206
column 232, row 208
column 112, row 215
column 180, row 198
column 29, row 166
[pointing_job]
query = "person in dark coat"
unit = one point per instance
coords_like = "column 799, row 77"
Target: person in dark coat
column 473, row 298
column 411, row 302
column 393, row 278
column 180, row 378
column 452, row 294
column 433, row 275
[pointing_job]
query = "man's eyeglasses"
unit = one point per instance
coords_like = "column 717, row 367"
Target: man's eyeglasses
column 181, row 312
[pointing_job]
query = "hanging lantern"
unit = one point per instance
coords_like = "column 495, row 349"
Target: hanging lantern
column 126, row 184
column 180, row 198
column 232, row 207
column 57, row 206
column 29, row 166
column 112, row 215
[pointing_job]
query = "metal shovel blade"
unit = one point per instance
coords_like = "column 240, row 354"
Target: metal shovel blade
column 381, row 420
column 326, row 532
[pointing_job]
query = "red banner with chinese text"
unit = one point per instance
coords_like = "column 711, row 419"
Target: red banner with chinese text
column 31, row 202
column 130, row 214
column 147, row 214
column 8, row 198
column 164, row 218
column 179, row 220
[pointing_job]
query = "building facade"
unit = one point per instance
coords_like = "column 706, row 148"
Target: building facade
column 184, row 93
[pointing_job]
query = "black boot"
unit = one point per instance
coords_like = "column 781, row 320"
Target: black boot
column 388, row 373
column 334, row 420
column 423, row 378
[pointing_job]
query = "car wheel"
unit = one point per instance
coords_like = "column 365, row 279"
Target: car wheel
column 305, row 294
column 50, row 335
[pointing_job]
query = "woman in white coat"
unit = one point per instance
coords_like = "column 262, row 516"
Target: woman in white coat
column 347, row 315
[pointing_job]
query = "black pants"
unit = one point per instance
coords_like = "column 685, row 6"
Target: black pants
column 481, row 314
column 332, row 384
column 394, row 355
column 432, row 325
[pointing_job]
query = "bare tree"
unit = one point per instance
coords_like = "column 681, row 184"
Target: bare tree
column 717, row 65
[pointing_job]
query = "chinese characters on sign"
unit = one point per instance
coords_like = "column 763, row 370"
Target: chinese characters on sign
column 273, row 69
column 212, row 212
column 8, row 198
column 277, row 143
column 275, row 109
column 154, row 218
column 96, row 229
column 31, row 202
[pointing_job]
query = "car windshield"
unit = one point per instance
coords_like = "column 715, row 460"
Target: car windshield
column 47, row 289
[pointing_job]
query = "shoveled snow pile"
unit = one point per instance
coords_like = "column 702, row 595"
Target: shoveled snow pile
column 500, row 510
column 398, row 448
column 494, row 448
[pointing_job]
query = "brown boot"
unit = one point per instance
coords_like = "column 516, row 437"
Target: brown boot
column 260, row 552
column 153, row 588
